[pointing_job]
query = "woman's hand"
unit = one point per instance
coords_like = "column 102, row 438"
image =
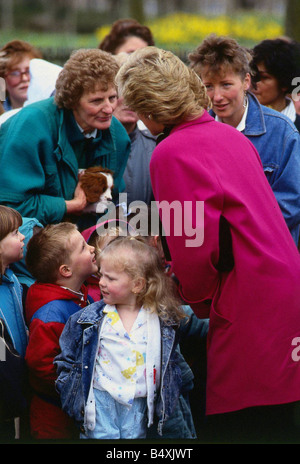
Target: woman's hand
column 78, row 203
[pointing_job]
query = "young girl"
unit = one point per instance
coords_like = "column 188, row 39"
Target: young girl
column 99, row 236
column 124, row 350
column 12, row 324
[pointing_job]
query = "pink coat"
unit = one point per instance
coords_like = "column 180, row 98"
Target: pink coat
column 255, row 307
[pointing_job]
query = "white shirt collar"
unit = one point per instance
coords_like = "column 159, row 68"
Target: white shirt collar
column 88, row 135
column 242, row 124
column 290, row 110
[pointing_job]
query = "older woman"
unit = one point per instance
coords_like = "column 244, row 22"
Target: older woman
column 45, row 144
column 250, row 289
column 223, row 66
column 15, row 57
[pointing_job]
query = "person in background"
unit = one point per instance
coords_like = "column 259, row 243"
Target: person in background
column 223, row 65
column 126, row 35
column 15, row 57
column 277, row 62
column 136, row 175
column 76, row 129
column 235, row 259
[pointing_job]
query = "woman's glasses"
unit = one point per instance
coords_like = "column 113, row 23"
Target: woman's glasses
column 18, row 75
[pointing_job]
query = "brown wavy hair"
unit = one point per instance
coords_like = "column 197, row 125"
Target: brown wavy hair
column 220, row 53
column 121, row 30
column 85, row 71
column 133, row 255
column 13, row 52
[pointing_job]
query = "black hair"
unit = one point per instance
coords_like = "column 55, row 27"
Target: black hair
column 281, row 58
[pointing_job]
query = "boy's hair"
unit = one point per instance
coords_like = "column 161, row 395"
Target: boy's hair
column 48, row 250
column 10, row 219
column 139, row 260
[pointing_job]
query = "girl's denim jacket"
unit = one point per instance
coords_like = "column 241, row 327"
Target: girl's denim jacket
column 75, row 366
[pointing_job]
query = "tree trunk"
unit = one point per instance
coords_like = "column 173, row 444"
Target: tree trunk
column 292, row 19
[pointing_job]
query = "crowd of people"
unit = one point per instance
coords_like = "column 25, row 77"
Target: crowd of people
column 110, row 331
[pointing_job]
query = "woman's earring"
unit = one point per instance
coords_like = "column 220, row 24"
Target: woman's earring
column 245, row 100
column 150, row 117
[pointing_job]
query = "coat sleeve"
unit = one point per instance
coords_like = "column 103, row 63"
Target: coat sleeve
column 26, row 147
column 189, row 185
column 286, row 185
column 42, row 348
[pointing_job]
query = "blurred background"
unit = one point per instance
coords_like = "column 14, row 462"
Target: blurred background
column 57, row 27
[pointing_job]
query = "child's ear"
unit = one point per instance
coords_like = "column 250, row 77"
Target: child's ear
column 138, row 285
column 65, row 271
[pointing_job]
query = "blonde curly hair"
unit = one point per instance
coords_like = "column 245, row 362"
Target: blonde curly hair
column 85, row 71
column 133, row 255
column 156, row 82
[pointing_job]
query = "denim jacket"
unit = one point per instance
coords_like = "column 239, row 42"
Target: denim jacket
column 75, row 367
column 277, row 141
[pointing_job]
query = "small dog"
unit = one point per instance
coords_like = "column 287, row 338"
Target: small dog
column 97, row 183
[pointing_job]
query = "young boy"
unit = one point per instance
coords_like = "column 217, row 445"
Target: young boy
column 60, row 260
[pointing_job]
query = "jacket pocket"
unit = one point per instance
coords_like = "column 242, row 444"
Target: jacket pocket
column 52, row 185
column 270, row 170
column 69, row 386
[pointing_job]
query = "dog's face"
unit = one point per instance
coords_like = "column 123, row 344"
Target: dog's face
column 97, row 184
column 107, row 194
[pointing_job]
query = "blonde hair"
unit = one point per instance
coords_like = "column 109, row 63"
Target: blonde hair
column 156, row 82
column 139, row 260
column 48, row 250
column 10, row 219
column 85, row 71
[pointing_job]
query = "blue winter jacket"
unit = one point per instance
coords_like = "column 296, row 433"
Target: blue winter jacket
column 11, row 311
column 75, row 364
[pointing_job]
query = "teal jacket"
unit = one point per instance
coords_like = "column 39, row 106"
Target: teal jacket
column 39, row 151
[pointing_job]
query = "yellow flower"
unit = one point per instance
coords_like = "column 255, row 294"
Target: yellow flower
column 183, row 30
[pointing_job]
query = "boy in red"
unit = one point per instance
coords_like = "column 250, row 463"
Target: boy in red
column 60, row 260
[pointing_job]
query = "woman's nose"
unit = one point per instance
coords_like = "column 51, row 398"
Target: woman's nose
column 217, row 95
column 108, row 108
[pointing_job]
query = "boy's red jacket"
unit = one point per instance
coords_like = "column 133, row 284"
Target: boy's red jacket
column 47, row 309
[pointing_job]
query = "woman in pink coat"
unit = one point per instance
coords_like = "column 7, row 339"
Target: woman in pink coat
column 231, row 249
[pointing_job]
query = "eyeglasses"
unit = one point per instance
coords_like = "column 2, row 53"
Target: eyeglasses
column 17, row 75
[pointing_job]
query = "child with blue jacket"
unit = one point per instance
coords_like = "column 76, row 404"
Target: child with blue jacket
column 119, row 370
column 13, row 330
